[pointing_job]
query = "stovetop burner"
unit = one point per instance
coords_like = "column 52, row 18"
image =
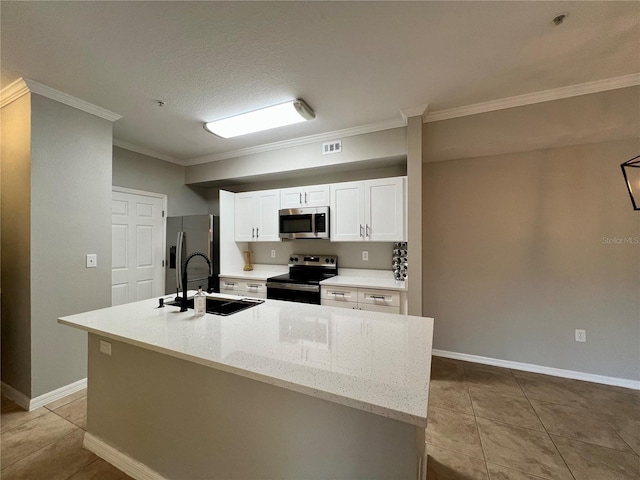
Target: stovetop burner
column 302, row 283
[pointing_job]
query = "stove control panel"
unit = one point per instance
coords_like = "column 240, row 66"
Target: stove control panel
column 297, row 259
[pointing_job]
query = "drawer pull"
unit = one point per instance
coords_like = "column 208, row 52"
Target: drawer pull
column 338, row 293
column 230, row 284
column 377, row 297
column 253, row 285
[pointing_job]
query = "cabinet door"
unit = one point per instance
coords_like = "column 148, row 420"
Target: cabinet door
column 384, row 201
column 347, row 212
column 291, row 197
column 245, row 216
column 316, row 196
column 268, row 204
column 299, row 197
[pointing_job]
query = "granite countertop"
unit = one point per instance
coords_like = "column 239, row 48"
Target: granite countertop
column 316, row 350
column 347, row 277
column 259, row 272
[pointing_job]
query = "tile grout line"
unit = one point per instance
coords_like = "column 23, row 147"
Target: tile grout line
column 475, row 419
column 545, row 429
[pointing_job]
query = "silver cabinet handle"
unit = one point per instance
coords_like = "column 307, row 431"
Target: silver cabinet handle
column 337, row 293
column 257, row 232
column 300, row 198
column 305, row 198
column 368, row 233
column 361, row 231
column 179, row 259
column 377, row 297
column 230, row 284
column 253, row 285
column 253, row 232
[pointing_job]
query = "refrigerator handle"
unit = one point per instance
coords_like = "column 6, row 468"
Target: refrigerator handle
column 179, row 260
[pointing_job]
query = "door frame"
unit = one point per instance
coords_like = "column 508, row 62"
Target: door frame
column 163, row 197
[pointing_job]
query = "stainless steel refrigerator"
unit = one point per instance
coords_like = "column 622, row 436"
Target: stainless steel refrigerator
column 188, row 234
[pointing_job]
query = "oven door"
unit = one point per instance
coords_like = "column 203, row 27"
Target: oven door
column 294, row 292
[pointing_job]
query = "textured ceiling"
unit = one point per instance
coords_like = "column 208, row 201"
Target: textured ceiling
column 355, row 63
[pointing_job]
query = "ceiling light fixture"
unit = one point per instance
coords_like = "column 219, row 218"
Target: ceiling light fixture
column 293, row 111
column 631, row 172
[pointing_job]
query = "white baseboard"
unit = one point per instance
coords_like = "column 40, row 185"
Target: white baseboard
column 33, row 403
column 57, row 394
column 120, row 460
column 529, row 367
column 13, row 394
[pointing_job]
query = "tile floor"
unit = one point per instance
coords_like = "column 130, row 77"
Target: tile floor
column 489, row 423
column 46, row 443
column 484, row 423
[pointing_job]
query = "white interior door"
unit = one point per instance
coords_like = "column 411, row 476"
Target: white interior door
column 137, row 231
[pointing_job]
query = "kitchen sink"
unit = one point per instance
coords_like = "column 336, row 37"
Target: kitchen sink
column 222, row 306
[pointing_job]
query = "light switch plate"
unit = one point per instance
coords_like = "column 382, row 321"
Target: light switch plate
column 92, row 260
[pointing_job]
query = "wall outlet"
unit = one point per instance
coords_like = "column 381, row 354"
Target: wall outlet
column 581, row 335
column 365, row 255
column 273, row 253
column 105, row 347
column 92, row 260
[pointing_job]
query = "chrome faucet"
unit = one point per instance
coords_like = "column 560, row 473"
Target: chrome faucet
column 183, row 306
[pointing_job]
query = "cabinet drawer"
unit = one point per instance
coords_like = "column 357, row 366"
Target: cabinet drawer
column 338, row 303
column 378, row 308
column 387, row 298
column 339, row 294
column 230, row 285
column 254, row 289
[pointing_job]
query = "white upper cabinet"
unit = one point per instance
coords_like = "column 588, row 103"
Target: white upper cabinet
column 256, row 216
column 347, row 212
column 300, row 197
column 384, row 199
column 369, row 210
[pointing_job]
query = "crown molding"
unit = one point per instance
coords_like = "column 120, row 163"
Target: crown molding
column 537, row 97
column 12, row 92
column 321, row 137
column 415, row 111
column 147, row 151
column 24, row 85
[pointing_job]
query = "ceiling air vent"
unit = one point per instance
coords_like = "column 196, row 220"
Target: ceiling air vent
column 332, row 147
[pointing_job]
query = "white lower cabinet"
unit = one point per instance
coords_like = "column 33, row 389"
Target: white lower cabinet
column 242, row 286
column 371, row 299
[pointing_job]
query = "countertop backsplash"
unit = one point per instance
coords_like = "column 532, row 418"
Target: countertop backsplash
column 349, row 253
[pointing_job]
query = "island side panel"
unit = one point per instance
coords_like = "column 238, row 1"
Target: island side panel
column 185, row 420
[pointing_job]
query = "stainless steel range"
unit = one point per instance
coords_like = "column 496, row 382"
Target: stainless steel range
column 302, row 283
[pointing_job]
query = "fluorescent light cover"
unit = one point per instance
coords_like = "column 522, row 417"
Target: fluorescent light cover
column 293, row 111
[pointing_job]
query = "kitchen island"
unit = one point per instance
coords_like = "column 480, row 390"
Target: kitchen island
column 279, row 391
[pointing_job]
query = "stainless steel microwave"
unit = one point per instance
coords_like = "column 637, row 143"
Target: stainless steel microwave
column 297, row 223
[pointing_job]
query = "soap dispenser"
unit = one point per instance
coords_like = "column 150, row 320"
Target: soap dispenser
column 199, row 303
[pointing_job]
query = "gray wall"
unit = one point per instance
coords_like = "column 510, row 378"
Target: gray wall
column 349, row 253
column 56, row 201
column 141, row 172
column 357, row 149
column 519, row 250
column 599, row 117
column 70, row 217
column 16, row 252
